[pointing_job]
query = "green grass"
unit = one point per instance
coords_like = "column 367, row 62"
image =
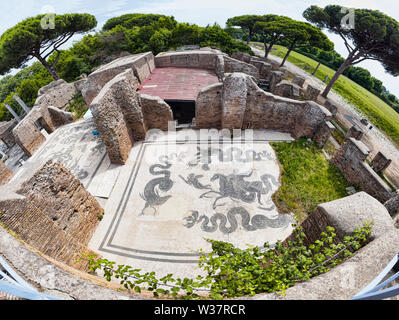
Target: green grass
column 308, row 178
column 78, row 107
column 378, row 112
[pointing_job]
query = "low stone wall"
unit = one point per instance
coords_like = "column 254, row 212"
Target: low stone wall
column 380, row 162
column 354, row 132
column 348, row 278
column 208, row 59
column 63, row 198
column 232, row 65
column 392, row 205
column 141, row 64
column 264, row 68
column 5, row 173
column 52, row 278
column 243, row 105
column 208, row 107
column 331, row 106
column 156, row 112
column 288, row 90
column 311, row 93
column 6, row 132
column 58, row 94
column 118, row 115
column 350, row 159
column 52, row 212
column 26, row 133
column 188, row 59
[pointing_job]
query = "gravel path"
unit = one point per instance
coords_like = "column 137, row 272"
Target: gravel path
column 375, row 139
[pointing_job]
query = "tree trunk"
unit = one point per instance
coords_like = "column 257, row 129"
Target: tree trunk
column 49, row 68
column 268, row 49
column 288, row 53
column 315, row 70
column 341, row 69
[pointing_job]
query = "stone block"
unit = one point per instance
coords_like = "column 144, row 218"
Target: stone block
column 156, row 112
column 332, row 107
column 298, row 80
column 347, row 214
column 323, row 133
column 392, row 205
column 275, row 78
column 380, row 162
column 28, row 137
column 288, row 90
column 311, row 93
column 354, row 132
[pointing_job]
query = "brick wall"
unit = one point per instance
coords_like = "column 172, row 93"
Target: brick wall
column 56, row 215
column 350, row 159
column 5, row 173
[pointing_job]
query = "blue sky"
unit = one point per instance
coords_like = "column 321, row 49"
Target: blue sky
column 201, row 12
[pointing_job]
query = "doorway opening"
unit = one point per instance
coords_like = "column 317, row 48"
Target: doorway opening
column 183, row 111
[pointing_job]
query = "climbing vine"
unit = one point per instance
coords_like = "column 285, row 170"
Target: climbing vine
column 233, row 272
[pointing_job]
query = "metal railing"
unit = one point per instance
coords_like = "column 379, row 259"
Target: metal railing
column 15, row 286
column 374, row 290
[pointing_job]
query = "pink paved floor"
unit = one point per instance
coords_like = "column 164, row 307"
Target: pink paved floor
column 177, row 83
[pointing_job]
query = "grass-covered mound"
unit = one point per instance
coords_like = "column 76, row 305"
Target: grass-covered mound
column 307, row 177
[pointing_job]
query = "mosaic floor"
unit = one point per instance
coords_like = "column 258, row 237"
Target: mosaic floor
column 74, row 145
column 177, row 189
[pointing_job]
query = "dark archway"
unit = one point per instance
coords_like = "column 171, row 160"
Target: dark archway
column 183, row 111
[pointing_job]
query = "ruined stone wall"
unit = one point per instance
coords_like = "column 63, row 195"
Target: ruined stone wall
column 208, row 107
column 345, row 215
column 350, row 159
column 232, row 65
column 263, row 66
column 267, row 111
column 188, row 59
column 245, row 105
column 26, row 133
column 348, row 278
column 380, row 162
column 141, row 65
column 5, row 173
column 392, row 205
column 28, row 137
column 234, row 101
column 58, row 94
column 63, row 199
column 118, row 116
column 53, row 213
column 156, row 112
column 6, row 132
column 206, row 59
column 288, row 90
